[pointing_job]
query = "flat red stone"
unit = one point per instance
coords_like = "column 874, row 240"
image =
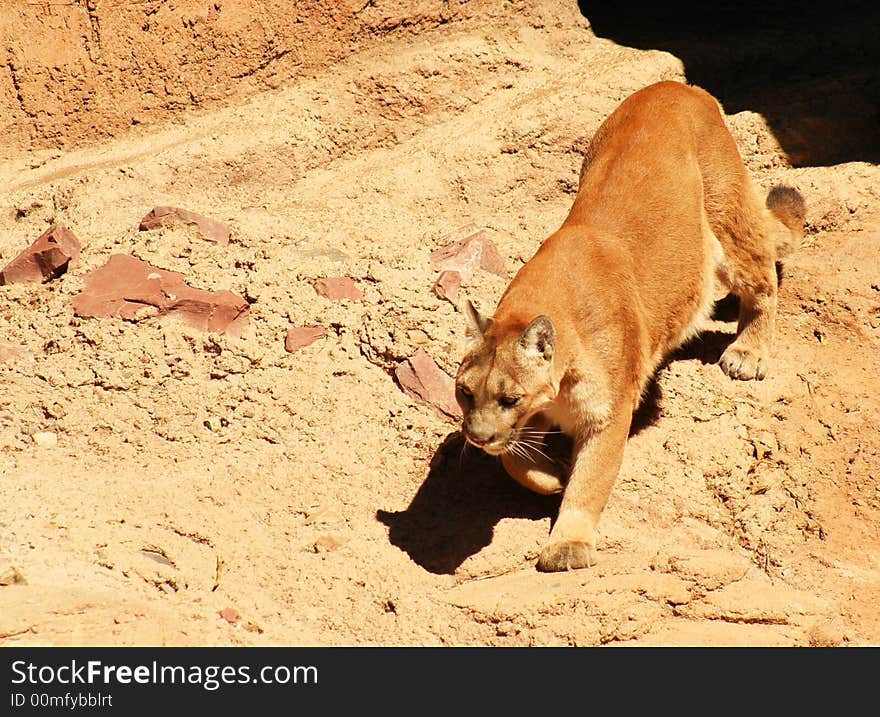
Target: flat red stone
column 303, row 336
column 470, row 249
column 447, row 286
column 336, row 288
column 230, row 614
column 129, row 288
column 168, row 216
column 46, row 259
column 422, row 379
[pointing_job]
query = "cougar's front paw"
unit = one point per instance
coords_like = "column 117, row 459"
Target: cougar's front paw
column 567, row 555
column 744, row 363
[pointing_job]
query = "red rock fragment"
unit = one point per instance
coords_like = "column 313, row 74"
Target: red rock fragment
column 168, row 216
column 303, row 336
column 46, row 259
column 422, row 379
column 470, row 249
column 230, row 614
column 132, row 289
column 447, row 286
column 338, row 287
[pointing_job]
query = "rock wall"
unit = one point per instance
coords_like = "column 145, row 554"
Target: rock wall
column 79, row 70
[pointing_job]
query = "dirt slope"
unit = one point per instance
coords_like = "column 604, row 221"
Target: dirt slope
column 196, row 472
column 85, row 69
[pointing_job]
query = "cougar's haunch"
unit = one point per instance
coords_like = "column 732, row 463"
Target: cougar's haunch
column 665, row 212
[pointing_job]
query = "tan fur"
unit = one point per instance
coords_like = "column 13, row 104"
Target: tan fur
column 665, row 212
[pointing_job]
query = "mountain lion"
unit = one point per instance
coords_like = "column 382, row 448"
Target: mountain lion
column 665, row 212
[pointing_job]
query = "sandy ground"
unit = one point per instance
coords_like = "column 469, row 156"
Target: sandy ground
column 197, row 472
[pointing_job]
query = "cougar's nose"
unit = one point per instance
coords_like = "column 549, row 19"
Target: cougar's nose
column 478, row 432
column 477, row 440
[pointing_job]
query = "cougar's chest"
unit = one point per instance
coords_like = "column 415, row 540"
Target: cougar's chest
column 582, row 405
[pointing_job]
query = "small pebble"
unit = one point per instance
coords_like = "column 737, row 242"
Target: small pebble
column 230, row 614
column 45, row 439
column 327, row 543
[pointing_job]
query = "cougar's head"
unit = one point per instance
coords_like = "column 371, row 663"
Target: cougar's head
column 505, row 378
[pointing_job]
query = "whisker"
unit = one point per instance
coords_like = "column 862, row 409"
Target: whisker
column 518, row 450
column 535, row 440
column 535, row 433
column 541, row 453
column 530, row 442
column 526, row 449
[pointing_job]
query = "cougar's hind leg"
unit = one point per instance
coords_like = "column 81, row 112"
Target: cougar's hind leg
column 752, row 258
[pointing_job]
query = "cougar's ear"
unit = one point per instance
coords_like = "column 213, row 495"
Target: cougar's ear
column 538, row 339
column 477, row 323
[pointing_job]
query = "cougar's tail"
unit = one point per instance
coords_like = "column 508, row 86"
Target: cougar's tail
column 787, row 205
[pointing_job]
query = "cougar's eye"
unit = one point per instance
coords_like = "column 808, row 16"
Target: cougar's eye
column 509, row 401
column 464, row 392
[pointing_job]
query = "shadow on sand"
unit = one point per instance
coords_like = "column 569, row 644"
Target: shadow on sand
column 454, row 513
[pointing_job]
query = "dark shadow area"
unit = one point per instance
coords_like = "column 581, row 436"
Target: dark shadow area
column 727, row 309
column 706, row 347
column 649, row 410
column 812, row 69
column 454, row 513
